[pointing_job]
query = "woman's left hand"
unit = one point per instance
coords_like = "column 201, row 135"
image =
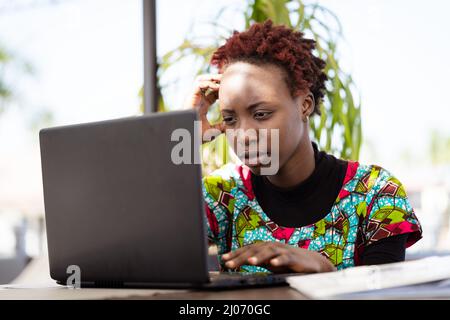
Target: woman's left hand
column 278, row 257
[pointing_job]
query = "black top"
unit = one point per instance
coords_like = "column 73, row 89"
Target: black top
column 298, row 206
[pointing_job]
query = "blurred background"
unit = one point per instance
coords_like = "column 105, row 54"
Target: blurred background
column 71, row 61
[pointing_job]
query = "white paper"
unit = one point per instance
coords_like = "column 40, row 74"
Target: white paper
column 356, row 279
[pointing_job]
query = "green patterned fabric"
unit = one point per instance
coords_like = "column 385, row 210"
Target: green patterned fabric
column 372, row 204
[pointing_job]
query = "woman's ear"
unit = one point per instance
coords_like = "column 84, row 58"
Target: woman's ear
column 309, row 104
column 306, row 105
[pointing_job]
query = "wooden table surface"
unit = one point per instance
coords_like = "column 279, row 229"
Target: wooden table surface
column 270, row 293
column 63, row 293
column 35, row 283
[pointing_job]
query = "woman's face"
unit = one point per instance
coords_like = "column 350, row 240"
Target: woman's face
column 257, row 97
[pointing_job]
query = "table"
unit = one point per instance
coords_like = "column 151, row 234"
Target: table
column 35, row 283
column 62, row 293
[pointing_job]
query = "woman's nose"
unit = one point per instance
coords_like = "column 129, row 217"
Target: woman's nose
column 247, row 135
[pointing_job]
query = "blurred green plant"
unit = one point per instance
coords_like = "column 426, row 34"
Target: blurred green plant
column 439, row 148
column 35, row 119
column 10, row 63
column 338, row 130
column 5, row 90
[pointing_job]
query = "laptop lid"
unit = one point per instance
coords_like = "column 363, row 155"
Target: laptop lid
column 118, row 207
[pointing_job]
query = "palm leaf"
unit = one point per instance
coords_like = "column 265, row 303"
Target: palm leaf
column 339, row 110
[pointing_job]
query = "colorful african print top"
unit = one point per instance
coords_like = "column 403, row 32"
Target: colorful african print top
column 372, row 204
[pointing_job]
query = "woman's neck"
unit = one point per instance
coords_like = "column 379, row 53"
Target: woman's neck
column 298, row 168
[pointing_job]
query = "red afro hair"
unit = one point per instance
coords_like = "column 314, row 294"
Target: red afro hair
column 264, row 43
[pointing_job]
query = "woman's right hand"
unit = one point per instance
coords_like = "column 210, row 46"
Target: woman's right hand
column 204, row 93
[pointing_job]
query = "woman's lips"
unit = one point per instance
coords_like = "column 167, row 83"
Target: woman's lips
column 252, row 158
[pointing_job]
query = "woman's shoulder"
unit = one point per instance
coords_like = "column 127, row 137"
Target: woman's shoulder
column 365, row 178
column 387, row 209
column 224, row 178
column 227, row 180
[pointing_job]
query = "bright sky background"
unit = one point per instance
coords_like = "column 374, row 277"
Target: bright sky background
column 88, row 62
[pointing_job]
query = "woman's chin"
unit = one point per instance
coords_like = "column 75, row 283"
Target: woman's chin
column 258, row 168
column 255, row 170
column 258, row 161
column 251, row 164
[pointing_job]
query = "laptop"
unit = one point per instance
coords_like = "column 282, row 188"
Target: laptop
column 121, row 213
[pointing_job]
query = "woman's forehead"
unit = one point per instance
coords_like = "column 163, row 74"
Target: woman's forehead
column 244, row 84
column 250, row 70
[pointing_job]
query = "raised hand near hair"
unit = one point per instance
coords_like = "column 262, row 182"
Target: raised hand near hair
column 204, row 93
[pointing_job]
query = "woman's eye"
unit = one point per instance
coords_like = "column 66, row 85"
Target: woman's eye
column 228, row 120
column 262, row 115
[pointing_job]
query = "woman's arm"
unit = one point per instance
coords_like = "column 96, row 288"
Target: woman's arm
column 386, row 250
column 204, row 93
column 278, row 257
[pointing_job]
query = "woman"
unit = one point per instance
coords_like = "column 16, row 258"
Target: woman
column 316, row 213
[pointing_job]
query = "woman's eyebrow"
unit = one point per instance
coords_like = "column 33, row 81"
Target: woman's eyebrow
column 256, row 104
column 250, row 107
column 227, row 110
